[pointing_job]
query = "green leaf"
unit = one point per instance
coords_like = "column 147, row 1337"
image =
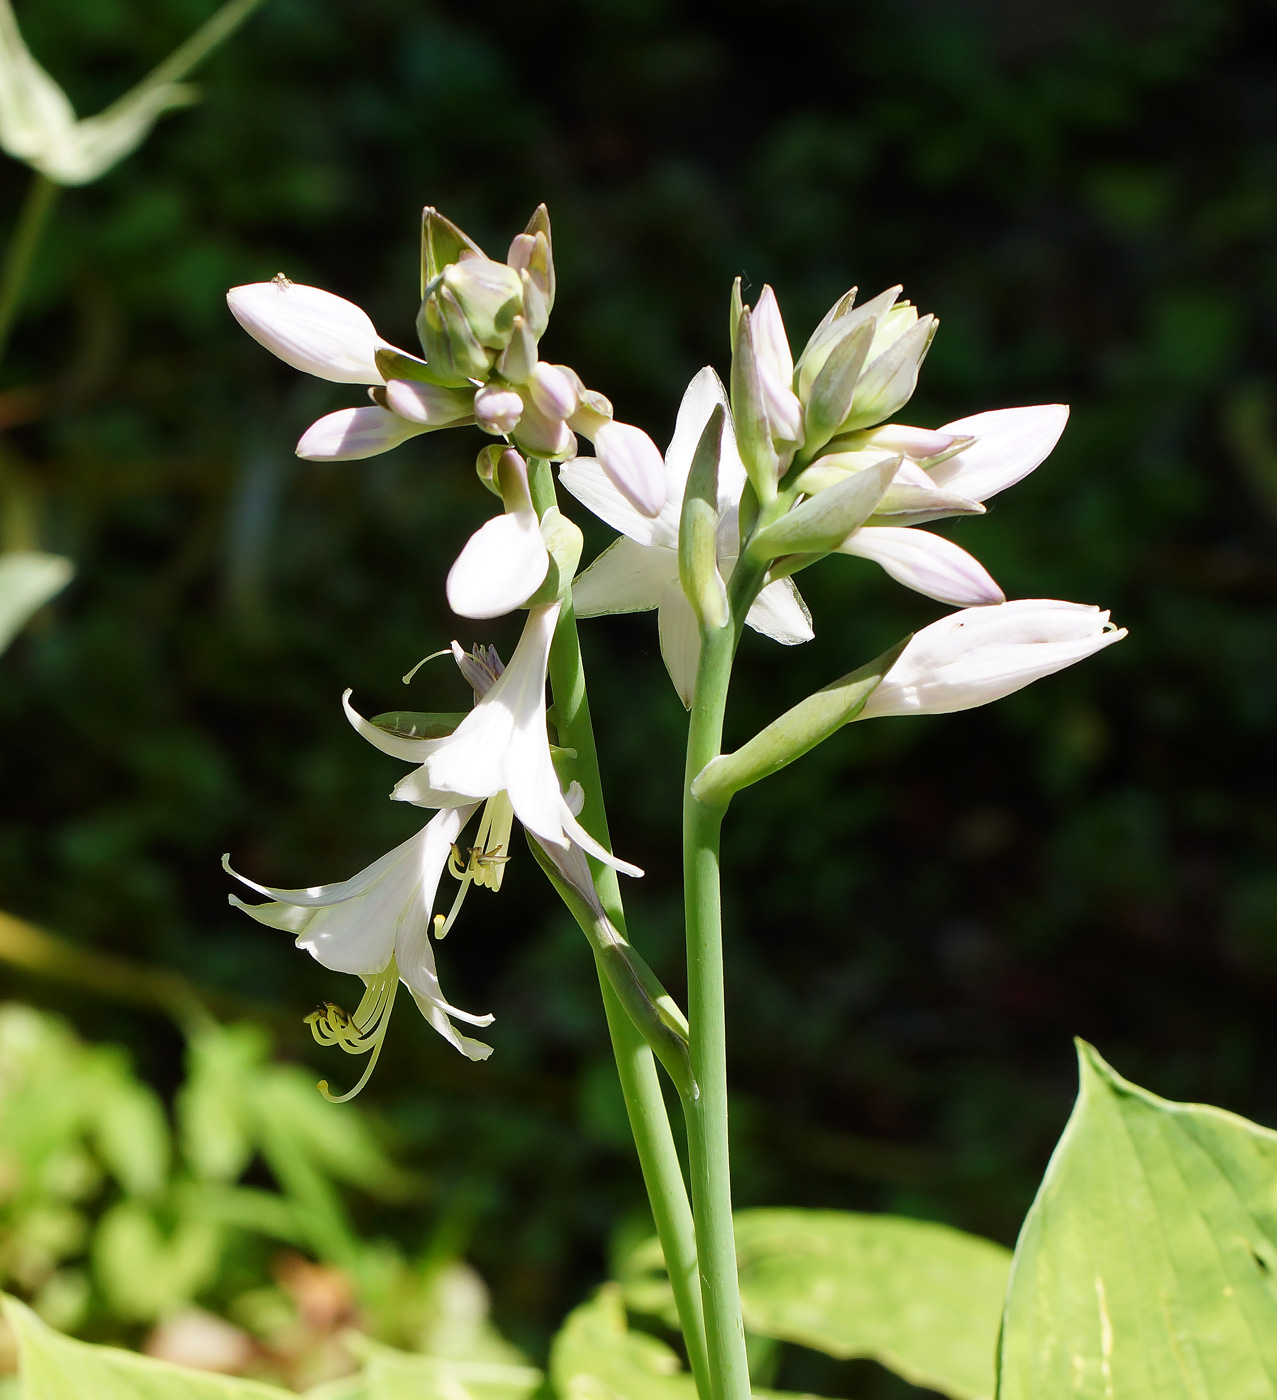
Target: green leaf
column 145, row 1272
column 596, row 1357
column 53, row 1367
column 1147, row 1267
column 921, row 1299
column 130, row 1131
column 400, row 1375
column 27, row 579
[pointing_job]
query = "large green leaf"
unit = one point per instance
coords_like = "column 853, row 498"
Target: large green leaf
column 1147, row 1267
column 921, row 1299
column 53, row 1367
column 400, row 1375
column 595, row 1356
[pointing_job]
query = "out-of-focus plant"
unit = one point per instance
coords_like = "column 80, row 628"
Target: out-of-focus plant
column 116, row 1219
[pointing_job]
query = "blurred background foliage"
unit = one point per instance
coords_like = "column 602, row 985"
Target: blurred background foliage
column 920, row 918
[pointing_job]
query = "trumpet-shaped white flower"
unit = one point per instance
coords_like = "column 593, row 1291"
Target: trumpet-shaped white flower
column 376, row 925
column 500, row 751
column 639, row 571
column 331, row 338
column 980, row 654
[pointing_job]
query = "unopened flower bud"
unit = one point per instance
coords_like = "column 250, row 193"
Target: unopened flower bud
column 532, row 256
column 539, row 435
column 552, row 391
column 467, row 315
column 428, row 403
column 888, row 382
column 520, row 357
column 310, row 329
column 497, row 410
column 833, row 329
column 442, row 242
column 633, row 464
column 979, row 655
column 594, row 409
column 485, row 465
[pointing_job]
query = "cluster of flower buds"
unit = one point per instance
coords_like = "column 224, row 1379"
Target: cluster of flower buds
column 830, row 470
column 480, row 325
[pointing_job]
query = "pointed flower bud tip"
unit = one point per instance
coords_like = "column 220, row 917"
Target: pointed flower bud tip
column 634, row 465
column 352, row 434
column 310, row 329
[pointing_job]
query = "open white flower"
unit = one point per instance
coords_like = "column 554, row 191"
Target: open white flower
column 376, row 925
column 639, row 571
column 499, row 753
column 331, row 338
column 980, row 654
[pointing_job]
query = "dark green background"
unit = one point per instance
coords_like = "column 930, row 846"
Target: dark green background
column 921, row 915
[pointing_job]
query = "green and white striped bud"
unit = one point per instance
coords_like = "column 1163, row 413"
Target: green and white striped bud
column 698, row 530
column 749, row 413
column 532, row 257
column 467, row 317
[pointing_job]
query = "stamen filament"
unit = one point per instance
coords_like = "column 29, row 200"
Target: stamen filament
column 361, row 1033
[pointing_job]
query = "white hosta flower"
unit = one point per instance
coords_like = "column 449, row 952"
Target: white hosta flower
column 640, row 570
column 327, row 336
column 376, row 925
column 979, row 655
column 501, row 750
column 971, row 458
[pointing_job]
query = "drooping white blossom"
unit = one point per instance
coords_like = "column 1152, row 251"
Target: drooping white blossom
column 639, row 571
column 978, row 655
column 376, row 925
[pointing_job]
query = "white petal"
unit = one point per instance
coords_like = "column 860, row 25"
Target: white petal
column 413, row 953
column 626, row 577
column 438, row 1019
column 310, row 329
column 770, row 341
column 590, row 484
column 502, row 565
column 680, row 641
column 701, row 397
column 918, row 443
column 981, row 654
column 634, row 465
column 351, row 434
column 410, row 750
column 780, row 613
column 472, row 761
column 926, row 563
column 1010, row 443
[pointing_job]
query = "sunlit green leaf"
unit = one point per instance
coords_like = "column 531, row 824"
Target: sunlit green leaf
column 400, row 1375
column 130, row 1131
column 595, row 1356
column 922, row 1299
column 1147, row 1267
column 53, row 1367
